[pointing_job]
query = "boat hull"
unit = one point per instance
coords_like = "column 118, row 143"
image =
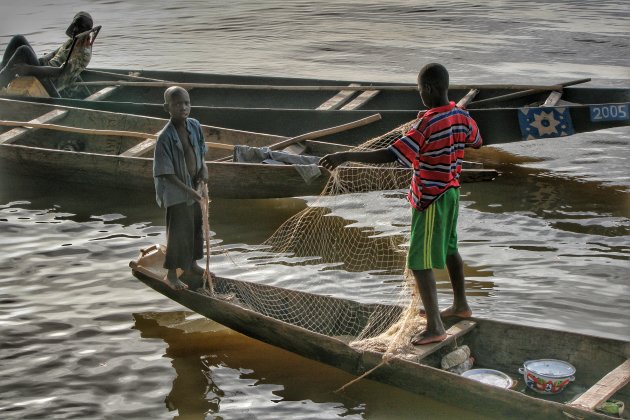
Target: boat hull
column 498, row 125
column 406, row 97
column 99, row 160
column 495, row 344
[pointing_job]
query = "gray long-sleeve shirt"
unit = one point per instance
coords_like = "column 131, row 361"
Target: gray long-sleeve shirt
column 169, row 159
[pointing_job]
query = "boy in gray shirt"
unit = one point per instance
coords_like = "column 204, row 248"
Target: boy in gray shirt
column 178, row 168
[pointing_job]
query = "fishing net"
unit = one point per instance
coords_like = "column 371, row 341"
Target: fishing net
column 316, row 237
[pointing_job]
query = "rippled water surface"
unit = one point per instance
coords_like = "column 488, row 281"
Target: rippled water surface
column 547, row 243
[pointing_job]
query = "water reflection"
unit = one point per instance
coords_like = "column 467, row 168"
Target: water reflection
column 223, row 373
column 192, row 392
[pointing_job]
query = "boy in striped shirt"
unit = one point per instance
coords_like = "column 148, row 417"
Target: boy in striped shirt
column 434, row 148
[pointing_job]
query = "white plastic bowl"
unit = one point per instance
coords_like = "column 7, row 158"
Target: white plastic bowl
column 489, row 377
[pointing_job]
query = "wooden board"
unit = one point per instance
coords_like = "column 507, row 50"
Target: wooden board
column 360, row 100
column 457, row 330
column 605, row 388
column 101, row 94
column 339, row 99
column 553, row 98
column 140, row 148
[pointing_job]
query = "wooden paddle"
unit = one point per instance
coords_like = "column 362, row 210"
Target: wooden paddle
column 527, row 92
column 318, row 134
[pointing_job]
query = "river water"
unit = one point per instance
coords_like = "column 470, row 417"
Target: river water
column 545, row 244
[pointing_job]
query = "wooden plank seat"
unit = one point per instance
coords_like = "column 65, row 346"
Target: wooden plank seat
column 141, row 148
column 553, row 98
column 457, row 330
column 102, row 94
column 360, row 100
column 14, row 134
column 604, row 388
column 339, row 99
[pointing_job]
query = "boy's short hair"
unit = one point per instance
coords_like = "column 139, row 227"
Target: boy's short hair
column 173, row 90
column 435, row 75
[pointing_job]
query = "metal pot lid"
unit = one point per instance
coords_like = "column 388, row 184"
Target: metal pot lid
column 550, row 368
column 489, row 377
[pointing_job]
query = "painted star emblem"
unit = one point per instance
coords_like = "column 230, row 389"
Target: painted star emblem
column 545, row 123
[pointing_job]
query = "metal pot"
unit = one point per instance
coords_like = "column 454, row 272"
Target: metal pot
column 547, row 376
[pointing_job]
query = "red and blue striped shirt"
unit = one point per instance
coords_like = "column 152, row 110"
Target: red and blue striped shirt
column 434, row 148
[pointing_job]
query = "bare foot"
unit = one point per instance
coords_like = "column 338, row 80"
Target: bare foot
column 451, row 312
column 174, row 283
column 425, row 337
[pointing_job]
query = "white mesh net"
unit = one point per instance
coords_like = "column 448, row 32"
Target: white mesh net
column 312, row 237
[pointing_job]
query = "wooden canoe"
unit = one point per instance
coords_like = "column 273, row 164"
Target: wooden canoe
column 602, row 364
column 239, row 91
column 105, row 152
column 498, row 125
column 291, row 106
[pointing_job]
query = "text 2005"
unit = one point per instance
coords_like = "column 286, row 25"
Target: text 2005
column 612, row 112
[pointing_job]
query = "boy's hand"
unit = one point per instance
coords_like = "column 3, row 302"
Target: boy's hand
column 195, row 195
column 333, row 160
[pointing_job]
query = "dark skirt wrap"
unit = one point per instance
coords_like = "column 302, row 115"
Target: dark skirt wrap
column 184, row 236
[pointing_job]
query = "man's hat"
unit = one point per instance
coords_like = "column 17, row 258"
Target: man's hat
column 84, row 17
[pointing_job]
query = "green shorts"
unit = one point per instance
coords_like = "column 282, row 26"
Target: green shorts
column 434, row 232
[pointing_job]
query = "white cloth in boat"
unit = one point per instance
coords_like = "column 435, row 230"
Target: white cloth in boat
column 305, row 165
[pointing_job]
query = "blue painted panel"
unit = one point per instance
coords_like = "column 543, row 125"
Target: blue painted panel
column 609, row 112
column 545, row 122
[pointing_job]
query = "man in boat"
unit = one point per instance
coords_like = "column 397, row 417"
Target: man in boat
column 434, row 148
column 178, row 169
column 20, row 59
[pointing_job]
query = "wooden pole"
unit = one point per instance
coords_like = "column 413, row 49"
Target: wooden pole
column 326, row 132
column 318, row 133
column 527, row 92
column 127, row 76
column 463, row 103
column 76, row 129
column 205, row 204
column 164, row 84
column 96, row 132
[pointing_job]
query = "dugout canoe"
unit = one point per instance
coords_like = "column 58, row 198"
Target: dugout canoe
column 312, row 326
column 114, row 149
column 241, row 91
column 291, row 106
column 497, row 125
